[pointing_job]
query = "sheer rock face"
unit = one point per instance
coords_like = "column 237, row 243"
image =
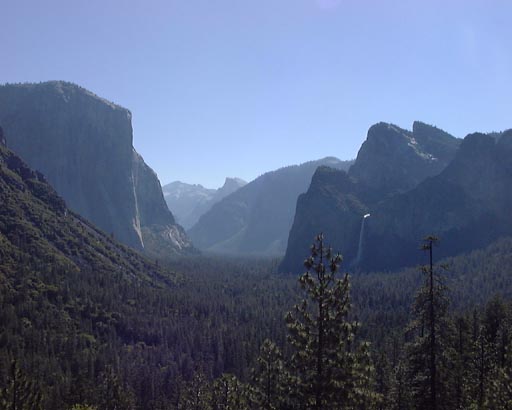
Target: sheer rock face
column 83, row 144
column 395, row 160
column 467, row 206
column 391, row 161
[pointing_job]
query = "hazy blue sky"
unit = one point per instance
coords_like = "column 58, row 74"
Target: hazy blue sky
column 237, row 88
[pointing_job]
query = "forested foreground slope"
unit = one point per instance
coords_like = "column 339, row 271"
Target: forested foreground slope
column 84, row 320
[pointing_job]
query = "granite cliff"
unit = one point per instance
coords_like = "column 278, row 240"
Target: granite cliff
column 391, row 161
column 467, row 206
column 36, row 227
column 83, row 144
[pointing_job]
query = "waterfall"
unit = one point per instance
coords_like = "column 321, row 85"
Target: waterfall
column 361, row 236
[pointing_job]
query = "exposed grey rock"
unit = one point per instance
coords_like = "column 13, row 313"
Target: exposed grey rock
column 391, row 161
column 83, row 144
column 395, row 160
column 467, row 206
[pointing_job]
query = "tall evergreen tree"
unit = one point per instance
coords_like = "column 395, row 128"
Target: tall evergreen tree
column 21, row 393
column 429, row 352
column 228, row 393
column 327, row 370
column 112, row 394
column 269, row 379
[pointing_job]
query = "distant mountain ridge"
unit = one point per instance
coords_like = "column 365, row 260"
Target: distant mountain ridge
column 188, row 202
column 83, row 144
column 391, row 162
column 256, row 219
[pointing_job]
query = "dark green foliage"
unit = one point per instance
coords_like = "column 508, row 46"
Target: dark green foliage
column 270, row 378
column 90, row 322
column 328, row 368
column 428, row 352
column 21, row 392
column 112, row 395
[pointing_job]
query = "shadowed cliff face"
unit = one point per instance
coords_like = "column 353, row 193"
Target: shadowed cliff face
column 467, row 205
column 391, row 161
column 83, row 144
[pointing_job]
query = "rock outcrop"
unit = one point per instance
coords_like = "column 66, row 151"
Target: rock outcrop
column 467, row 206
column 83, row 144
column 256, row 219
column 395, row 160
column 188, row 202
column 391, row 161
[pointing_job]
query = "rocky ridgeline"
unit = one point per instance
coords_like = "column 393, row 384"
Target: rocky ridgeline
column 188, row 202
column 391, row 162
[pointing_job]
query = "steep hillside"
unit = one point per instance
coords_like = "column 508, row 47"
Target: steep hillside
column 390, row 162
column 76, row 306
column 83, row 144
column 188, row 202
column 256, row 219
column 37, row 226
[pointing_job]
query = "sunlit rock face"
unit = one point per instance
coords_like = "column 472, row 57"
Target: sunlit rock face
column 394, row 160
column 83, row 144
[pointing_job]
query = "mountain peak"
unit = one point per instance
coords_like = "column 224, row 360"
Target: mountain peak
column 394, row 159
column 232, row 184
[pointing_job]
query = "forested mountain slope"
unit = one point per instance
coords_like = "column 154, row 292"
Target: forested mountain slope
column 256, row 219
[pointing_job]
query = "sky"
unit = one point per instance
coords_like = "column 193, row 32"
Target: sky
column 236, row 88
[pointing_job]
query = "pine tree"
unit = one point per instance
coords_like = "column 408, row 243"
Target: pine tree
column 429, row 353
column 21, row 393
column 399, row 397
column 327, row 370
column 196, row 394
column 112, row 394
column 500, row 389
column 228, row 393
column 269, row 378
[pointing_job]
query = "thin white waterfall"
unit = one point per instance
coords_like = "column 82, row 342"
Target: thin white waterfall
column 361, row 238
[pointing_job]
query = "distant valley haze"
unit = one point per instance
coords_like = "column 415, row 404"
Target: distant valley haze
column 227, row 88
column 271, row 204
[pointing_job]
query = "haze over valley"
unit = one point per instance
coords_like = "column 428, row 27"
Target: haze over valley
column 293, row 205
